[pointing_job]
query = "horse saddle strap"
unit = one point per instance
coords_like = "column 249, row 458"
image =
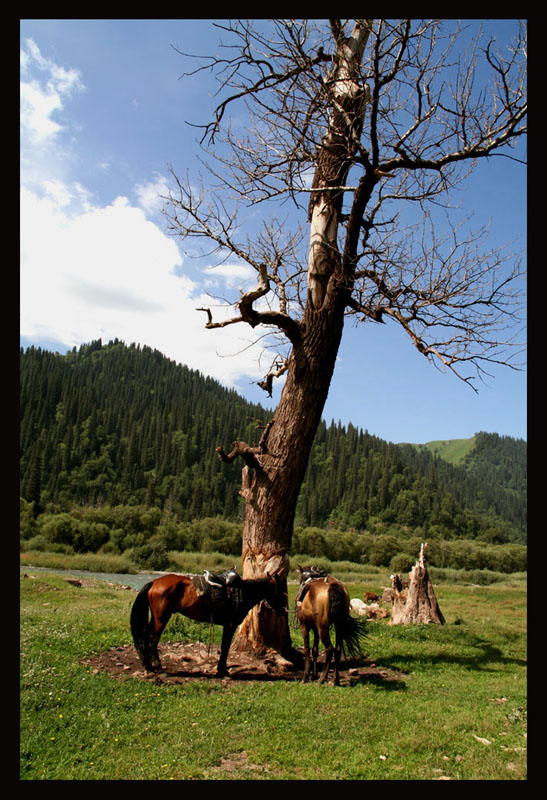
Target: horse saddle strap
column 217, row 593
column 306, row 583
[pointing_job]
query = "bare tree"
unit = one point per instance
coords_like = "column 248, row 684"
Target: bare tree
column 351, row 121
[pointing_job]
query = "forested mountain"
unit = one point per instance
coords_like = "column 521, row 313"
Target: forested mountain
column 124, row 425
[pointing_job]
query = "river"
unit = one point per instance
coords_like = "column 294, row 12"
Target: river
column 135, row 581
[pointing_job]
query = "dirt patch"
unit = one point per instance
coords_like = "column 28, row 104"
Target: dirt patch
column 191, row 661
column 236, row 762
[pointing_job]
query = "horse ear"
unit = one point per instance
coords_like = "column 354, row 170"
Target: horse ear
column 299, row 568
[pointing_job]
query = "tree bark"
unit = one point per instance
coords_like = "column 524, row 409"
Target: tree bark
column 272, row 493
column 414, row 599
column 271, row 484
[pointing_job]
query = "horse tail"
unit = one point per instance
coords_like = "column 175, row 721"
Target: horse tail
column 349, row 630
column 139, row 620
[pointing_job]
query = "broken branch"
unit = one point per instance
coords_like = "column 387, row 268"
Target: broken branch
column 283, row 321
column 276, row 371
column 248, row 454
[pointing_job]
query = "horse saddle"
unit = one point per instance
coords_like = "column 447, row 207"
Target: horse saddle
column 307, row 575
column 219, row 588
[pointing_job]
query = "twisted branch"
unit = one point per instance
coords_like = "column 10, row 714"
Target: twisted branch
column 248, row 454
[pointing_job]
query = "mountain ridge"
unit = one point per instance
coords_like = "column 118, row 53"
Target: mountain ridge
column 124, row 424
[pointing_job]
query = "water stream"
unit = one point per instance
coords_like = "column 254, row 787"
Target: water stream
column 135, row 581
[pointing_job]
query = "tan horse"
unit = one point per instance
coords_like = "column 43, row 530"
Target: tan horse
column 325, row 603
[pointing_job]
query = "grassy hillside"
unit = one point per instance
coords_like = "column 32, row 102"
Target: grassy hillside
column 451, row 450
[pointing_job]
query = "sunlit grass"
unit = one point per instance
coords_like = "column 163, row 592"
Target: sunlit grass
column 457, row 709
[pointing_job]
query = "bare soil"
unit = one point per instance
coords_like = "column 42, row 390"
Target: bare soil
column 196, row 661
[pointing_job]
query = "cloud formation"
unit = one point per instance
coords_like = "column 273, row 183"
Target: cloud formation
column 92, row 270
column 44, row 88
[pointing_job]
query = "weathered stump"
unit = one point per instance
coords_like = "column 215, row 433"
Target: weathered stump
column 413, row 600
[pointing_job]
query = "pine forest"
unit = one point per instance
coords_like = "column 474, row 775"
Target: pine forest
column 122, row 427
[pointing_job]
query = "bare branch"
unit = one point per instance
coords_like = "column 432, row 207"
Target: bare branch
column 432, row 114
column 447, row 286
column 252, row 317
column 278, row 369
column 250, row 455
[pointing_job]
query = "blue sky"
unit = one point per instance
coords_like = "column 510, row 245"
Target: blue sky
column 103, row 114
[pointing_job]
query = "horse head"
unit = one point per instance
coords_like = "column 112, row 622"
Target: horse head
column 277, row 597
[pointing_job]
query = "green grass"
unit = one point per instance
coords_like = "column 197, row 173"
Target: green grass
column 195, row 563
column 454, row 683
column 451, row 450
column 92, row 562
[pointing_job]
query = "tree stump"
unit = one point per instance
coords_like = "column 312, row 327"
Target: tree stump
column 413, row 600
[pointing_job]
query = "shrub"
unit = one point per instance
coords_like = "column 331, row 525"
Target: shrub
column 402, row 562
column 311, row 541
column 212, row 534
column 171, row 535
column 90, row 536
column 152, row 555
column 27, row 524
column 59, row 528
column 38, row 543
column 384, row 549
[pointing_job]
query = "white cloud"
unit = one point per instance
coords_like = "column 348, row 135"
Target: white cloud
column 233, row 277
column 150, row 194
column 109, row 272
column 90, row 270
column 36, row 110
column 43, row 95
column 226, row 272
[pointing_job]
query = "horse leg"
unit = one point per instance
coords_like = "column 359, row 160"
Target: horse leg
column 337, row 654
column 325, row 638
column 227, row 636
column 155, row 630
column 315, row 652
column 306, row 637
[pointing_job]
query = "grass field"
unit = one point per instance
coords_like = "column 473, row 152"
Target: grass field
column 451, row 450
column 457, row 712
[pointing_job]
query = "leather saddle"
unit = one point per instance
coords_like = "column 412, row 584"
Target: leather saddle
column 218, row 588
column 307, row 575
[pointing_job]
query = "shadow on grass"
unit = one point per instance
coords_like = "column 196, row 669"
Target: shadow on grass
column 381, row 681
column 195, row 662
column 435, row 650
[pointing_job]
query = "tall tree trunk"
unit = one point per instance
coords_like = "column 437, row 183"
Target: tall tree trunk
column 271, row 492
column 280, row 462
column 293, row 93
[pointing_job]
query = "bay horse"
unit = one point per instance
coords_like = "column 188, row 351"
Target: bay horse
column 325, row 603
column 169, row 594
